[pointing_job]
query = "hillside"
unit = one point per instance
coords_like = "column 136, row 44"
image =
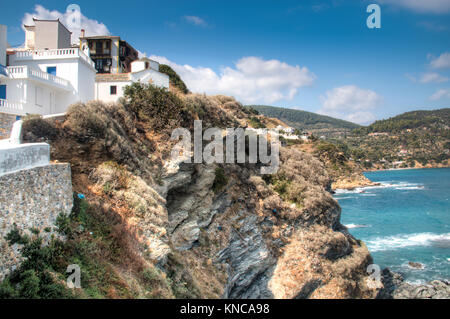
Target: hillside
column 146, row 226
column 413, row 139
column 434, row 120
column 307, row 121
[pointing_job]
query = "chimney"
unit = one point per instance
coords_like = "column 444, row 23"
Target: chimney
column 82, row 33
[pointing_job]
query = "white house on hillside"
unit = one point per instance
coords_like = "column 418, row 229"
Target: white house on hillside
column 47, row 75
column 109, row 87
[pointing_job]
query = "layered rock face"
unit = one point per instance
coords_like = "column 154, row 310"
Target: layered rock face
column 218, row 230
column 269, row 248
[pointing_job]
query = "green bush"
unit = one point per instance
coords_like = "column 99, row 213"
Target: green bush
column 174, row 78
column 35, row 277
column 153, row 104
column 220, row 180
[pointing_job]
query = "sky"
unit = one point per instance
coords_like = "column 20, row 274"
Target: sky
column 317, row 56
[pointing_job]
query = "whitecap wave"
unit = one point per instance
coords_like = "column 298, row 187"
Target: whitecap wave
column 409, row 187
column 350, row 226
column 409, row 240
column 386, row 184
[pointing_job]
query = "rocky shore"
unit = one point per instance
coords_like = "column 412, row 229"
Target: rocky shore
column 352, row 182
column 396, row 288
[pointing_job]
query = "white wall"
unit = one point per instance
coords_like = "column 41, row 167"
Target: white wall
column 139, row 65
column 102, row 90
column 152, row 76
column 25, row 91
column 80, row 75
column 3, row 41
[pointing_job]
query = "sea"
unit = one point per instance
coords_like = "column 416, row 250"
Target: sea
column 405, row 219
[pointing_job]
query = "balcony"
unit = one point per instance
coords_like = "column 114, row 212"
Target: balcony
column 52, row 54
column 11, row 107
column 26, row 72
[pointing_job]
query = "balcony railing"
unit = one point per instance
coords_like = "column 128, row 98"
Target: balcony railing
column 11, row 107
column 52, row 54
column 26, row 72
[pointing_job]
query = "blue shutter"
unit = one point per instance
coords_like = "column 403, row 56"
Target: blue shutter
column 51, row 70
column 3, row 92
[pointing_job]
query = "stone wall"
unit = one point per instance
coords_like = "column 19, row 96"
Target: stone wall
column 32, row 198
column 14, row 157
column 6, row 123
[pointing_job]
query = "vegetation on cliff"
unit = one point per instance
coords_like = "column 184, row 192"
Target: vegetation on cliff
column 154, row 228
column 174, row 78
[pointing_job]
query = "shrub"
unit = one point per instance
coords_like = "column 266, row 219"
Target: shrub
column 174, row 78
column 220, row 180
column 35, row 127
column 153, row 104
column 33, row 278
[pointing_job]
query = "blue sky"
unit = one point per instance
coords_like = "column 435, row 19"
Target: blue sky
column 317, row 56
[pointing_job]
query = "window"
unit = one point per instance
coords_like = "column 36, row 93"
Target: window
column 51, row 70
column 98, row 47
column 3, row 91
column 113, row 90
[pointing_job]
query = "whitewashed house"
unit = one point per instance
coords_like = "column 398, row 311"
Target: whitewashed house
column 109, row 87
column 46, row 76
column 49, row 74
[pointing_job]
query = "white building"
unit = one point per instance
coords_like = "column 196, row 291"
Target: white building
column 47, row 79
column 109, row 87
column 49, row 74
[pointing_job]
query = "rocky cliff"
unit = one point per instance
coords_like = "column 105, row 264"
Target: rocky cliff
column 205, row 231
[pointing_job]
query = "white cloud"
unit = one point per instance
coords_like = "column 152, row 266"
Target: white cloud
column 350, row 103
column 440, row 94
column 422, row 6
column 430, row 77
column 91, row 27
column 196, row 21
column 252, row 80
column 440, row 62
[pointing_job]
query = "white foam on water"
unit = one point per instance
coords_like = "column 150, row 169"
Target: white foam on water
column 409, row 187
column 409, row 240
column 350, row 226
column 384, row 184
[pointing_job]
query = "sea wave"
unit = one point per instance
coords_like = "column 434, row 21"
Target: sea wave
column 350, row 226
column 383, row 184
column 409, row 240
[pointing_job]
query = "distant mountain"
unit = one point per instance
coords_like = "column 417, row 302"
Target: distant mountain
column 410, row 120
column 303, row 120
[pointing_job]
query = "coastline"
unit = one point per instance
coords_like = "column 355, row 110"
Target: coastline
column 360, row 180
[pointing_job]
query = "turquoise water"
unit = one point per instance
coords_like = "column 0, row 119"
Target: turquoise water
column 405, row 219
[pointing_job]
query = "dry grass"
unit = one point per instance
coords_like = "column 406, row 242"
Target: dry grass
column 306, row 270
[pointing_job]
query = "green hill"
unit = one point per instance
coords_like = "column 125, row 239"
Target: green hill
column 434, row 119
column 414, row 139
column 303, row 120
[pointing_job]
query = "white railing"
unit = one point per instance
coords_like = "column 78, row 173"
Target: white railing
column 11, row 107
column 53, row 54
column 22, row 72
